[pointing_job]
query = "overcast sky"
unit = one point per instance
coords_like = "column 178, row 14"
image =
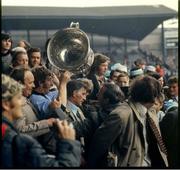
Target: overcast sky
column 83, row 3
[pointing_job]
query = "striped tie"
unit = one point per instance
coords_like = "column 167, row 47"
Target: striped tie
column 157, row 134
column 80, row 114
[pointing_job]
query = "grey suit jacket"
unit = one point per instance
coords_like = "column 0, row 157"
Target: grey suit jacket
column 29, row 123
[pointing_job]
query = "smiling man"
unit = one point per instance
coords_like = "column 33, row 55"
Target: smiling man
column 34, row 55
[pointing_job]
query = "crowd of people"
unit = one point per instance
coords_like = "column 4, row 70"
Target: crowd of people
column 50, row 119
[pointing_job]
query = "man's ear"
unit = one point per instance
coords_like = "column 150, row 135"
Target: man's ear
column 74, row 93
column 6, row 105
column 40, row 83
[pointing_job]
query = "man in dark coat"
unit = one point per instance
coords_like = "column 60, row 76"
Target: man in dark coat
column 169, row 130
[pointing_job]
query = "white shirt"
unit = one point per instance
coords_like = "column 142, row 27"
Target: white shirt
column 142, row 110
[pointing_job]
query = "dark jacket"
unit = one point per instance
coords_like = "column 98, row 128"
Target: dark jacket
column 96, row 87
column 6, row 62
column 23, row 151
column 169, row 131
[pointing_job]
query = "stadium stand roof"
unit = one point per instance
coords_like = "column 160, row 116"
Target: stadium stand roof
column 131, row 22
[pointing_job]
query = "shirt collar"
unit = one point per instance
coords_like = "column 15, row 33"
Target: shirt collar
column 142, row 110
column 100, row 78
column 176, row 98
column 72, row 107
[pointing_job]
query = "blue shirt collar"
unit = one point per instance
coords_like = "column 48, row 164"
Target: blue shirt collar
column 72, row 107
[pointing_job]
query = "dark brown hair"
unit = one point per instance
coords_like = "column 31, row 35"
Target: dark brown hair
column 40, row 75
column 145, row 89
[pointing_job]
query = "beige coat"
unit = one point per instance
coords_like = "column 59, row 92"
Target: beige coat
column 122, row 134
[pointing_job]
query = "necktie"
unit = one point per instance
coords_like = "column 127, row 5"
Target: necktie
column 156, row 134
column 80, row 114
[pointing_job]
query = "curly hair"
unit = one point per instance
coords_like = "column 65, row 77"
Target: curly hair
column 9, row 87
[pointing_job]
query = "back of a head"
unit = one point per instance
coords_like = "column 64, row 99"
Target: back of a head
column 113, row 93
column 145, row 89
column 155, row 75
column 26, row 44
column 139, row 61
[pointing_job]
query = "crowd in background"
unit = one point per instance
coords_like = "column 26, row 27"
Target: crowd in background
column 113, row 117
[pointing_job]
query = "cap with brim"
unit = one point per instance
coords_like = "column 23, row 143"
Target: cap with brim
column 119, row 67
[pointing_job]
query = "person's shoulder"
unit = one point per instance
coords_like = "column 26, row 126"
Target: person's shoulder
column 35, row 97
column 123, row 106
column 171, row 114
column 53, row 91
column 25, row 140
column 123, row 110
column 4, row 129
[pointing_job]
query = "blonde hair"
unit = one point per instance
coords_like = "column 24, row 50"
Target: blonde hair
column 10, row 87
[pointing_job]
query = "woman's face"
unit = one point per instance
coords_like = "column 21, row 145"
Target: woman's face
column 6, row 44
